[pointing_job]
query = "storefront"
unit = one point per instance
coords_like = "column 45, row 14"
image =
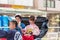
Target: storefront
column 54, row 19
column 54, row 25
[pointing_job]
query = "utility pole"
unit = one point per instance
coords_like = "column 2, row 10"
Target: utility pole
column 46, row 5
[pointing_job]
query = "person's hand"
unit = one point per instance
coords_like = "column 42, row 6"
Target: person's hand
column 19, row 26
column 27, row 34
column 23, row 31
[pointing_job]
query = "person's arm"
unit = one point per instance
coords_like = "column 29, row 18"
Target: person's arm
column 21, row 27
column 3, row 34
column 36, row 31
column 25, row 30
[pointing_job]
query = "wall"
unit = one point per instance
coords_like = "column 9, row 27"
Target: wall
column 41, row 5
column 18, row 2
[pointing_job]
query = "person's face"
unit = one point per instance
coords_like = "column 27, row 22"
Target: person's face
column 18, row 19
column 11, row 25
column 31, row 22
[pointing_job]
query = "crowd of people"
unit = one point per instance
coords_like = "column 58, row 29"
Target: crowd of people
column 18, row 30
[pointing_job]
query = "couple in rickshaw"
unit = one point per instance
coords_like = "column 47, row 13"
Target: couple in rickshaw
column 18, row 30
column 30, row 31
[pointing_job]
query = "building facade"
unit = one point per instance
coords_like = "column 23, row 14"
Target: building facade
column 52, row 7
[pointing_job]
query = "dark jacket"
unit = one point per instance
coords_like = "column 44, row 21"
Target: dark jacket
column 10, row 35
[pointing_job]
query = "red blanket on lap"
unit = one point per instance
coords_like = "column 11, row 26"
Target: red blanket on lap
column 28, row 37
column 3, row 39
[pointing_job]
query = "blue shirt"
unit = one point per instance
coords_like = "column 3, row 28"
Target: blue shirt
column 22, row 25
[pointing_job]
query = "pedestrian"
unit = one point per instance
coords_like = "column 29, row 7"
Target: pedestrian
column 11, row 34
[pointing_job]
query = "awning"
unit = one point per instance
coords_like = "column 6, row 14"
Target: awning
column 11, row 10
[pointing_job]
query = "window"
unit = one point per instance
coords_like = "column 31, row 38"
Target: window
column 49, row 3
column 3, row 1
column 24, row 2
